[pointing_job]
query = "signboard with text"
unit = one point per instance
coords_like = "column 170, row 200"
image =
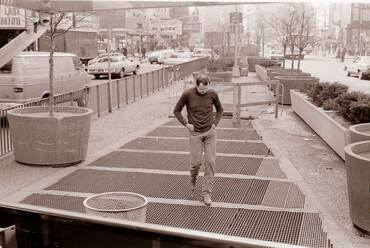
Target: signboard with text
column 236, row 17
column 166, row 27
column 12, row 18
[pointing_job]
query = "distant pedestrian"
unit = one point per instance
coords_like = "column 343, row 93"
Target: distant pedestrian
column 343, row 54
column 143, row 51
column 201, row 125
column 124, row 51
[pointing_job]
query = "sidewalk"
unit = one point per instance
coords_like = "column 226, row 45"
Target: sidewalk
column 305, row 160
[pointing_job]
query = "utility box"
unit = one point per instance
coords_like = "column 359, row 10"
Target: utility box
column 8, row 238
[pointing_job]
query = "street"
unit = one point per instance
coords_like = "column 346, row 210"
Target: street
column 330, row 70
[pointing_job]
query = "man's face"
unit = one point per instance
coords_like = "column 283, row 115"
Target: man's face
column 202, row 88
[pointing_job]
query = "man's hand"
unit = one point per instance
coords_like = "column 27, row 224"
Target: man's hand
column 190, row 127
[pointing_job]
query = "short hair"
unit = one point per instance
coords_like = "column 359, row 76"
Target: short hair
column 202, row 79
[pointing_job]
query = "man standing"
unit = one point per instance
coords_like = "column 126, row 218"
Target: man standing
column 201, row 125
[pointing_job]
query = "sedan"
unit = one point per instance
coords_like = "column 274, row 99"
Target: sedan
column 360, row 67
column 178, row 58
column 119, row 66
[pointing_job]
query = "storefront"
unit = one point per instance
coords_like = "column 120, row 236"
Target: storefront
column 12, row 23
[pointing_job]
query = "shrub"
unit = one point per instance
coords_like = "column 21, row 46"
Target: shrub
column 270, row 63
column 329, row 104
column 359, row 112
column 217, row 65
column 345, row 100
column 322, row 92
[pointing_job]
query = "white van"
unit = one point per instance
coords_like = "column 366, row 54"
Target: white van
column 26, row 77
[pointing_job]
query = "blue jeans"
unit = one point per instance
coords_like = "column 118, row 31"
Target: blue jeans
column 199, row 143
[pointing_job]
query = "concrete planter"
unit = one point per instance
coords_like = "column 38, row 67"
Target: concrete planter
column 357, row 156
column 255, row 60
column 359, row 132
column 320, row 122
column 226, row 76
column 40, row 139
column 265, row 73
column 282, row 73
column 293, row 83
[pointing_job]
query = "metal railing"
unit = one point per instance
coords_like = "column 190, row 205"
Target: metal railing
column 233, row 95
column 59, row 228
column 104, row 97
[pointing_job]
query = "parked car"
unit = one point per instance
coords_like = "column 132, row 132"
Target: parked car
column 26, row 77
column 360, row 67
column 276, row 55
column 204, row 52
column 159, row 56
column 102, row 55
column 288, row 54
column 178, row 58
column 120, row 66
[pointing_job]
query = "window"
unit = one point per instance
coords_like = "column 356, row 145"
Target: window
column 7, row 68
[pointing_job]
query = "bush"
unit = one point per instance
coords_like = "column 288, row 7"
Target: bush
column 217, row 65
column 359, row 112
column 329, row 104
column 345, row 100
column 321, row 92
column 270, row 63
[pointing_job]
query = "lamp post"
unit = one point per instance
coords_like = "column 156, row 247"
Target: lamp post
column 236, row 18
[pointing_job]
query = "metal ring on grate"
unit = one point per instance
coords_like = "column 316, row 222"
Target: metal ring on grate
column 122, row 205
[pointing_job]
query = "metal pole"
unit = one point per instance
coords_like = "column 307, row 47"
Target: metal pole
column 236, row 72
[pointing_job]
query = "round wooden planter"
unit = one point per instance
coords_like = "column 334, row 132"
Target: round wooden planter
column 357, row 156
column 292, row 82
column 40, row 139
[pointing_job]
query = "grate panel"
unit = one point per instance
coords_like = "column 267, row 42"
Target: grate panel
column 225, row 123
column 276, row 194
column 183, row 145
column 247, row 148
column 141, row 160
column 95, row 181
column 295, row 198
column 200, row 218
column 230, row 134
column 289, row 227
column 256, row 192
column 311, row 233
column 69, row 203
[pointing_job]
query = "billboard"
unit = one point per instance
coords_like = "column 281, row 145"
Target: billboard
column 166, row 27
column 12, row 18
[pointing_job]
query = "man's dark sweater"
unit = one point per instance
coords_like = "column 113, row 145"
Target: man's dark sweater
column 199, row 109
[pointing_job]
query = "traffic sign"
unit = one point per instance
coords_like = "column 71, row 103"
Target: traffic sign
column 236, row 17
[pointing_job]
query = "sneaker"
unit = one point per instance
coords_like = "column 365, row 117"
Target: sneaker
column 207, row 200
column 193, row 182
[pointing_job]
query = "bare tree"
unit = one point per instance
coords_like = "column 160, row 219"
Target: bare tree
column 283, row 26
column 54, row 31
column 306, row 28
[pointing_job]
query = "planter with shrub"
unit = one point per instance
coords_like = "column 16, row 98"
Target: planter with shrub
column 255, row 60
column 292, row 82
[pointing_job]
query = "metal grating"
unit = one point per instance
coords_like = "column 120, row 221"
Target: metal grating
column 224, row 123
column 192, row 217
column 279, row 226
column 296, row 198
column 180, row 162
column 234, row 147
column 311, row 233
column 276, row 194
column 256, row 192
column 227, row 134
column 69, row 203
column 231, row 190
column 145, row 160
